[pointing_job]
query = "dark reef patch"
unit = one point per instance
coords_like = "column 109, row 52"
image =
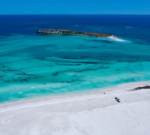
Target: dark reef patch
column 102, row 41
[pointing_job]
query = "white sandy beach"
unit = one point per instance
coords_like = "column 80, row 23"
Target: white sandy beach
column 91, row 113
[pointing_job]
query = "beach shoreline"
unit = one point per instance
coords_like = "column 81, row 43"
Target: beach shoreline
column 110, row 91
column 92, row 112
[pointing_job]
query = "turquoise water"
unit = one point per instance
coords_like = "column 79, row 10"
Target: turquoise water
column 38, row 65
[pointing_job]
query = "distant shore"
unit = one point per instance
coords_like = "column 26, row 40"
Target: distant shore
column 71, row 32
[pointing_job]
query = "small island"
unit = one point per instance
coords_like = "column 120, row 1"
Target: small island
column 71, row 32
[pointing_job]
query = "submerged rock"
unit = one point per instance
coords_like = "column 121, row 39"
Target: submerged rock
column 71, row 32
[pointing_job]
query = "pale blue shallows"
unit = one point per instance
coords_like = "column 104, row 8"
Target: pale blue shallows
column 34, row 65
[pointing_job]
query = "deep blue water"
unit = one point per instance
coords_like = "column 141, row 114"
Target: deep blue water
column 136, row 26
column 36, row 65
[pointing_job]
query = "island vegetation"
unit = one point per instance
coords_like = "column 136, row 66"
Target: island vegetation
column 71, row 32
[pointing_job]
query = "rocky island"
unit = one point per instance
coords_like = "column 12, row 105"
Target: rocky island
column 71, row 32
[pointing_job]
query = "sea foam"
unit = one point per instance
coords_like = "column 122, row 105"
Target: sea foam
column 117, row 39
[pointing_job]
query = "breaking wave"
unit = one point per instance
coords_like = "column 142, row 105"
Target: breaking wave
column 117, row 39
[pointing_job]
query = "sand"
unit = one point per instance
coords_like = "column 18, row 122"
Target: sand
column 91, row 113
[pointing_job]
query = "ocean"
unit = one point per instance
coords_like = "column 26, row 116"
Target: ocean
column 34, row 65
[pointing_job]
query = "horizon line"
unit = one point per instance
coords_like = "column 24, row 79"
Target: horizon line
column 74, row 14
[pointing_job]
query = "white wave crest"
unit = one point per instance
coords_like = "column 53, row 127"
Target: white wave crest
column 117, row 39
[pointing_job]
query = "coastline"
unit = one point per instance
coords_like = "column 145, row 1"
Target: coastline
column 120, row 89
column 93, row 112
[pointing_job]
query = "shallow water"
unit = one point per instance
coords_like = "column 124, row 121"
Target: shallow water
column 35, row 65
